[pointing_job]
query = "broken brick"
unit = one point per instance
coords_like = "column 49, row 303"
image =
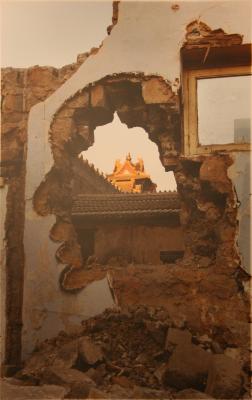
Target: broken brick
column 156, row 91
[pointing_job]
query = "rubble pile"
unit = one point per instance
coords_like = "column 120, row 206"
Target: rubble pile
column 134, row 353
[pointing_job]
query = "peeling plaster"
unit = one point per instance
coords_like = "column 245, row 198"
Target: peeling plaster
column 45, row 305
column 47, row 320
column 239, row 173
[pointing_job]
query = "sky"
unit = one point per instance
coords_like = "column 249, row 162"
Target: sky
column 53, row 34
column 123, row 141
column 221, row 103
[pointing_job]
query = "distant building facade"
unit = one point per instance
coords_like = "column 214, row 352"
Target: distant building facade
column 130, row 177
column 140, row 228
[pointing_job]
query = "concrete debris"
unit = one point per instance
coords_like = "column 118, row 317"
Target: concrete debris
column 120, row 355
column 96, row 394
column 67, row 356
column 191, row 394
column 225, row 378
column 76, row 382
column 177, row 337
column 65, row 376
column 14, row 392
column 187, row 367
column 89, row 352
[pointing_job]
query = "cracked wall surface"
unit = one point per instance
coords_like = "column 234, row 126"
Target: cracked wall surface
column 61, row 121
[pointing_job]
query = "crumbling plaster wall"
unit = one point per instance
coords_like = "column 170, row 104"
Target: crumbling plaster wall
column 147, row 38
column 240, row 174
column 20, row 89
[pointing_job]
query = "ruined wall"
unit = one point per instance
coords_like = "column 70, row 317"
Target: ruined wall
column 21, row 89
column 136, row 243
column 146, row 40
column 209, row 212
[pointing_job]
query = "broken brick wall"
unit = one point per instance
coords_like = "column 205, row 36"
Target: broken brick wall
column 133, row 46
column 209, row 209
column 21, row 89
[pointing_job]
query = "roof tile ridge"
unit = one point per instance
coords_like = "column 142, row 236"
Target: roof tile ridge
column 97, row 172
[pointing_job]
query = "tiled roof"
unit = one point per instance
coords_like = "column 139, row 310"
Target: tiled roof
column 92, row 179
column 126, row 204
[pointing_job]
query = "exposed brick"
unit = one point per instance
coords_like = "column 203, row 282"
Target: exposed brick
column 156, row 91
column 98, row 96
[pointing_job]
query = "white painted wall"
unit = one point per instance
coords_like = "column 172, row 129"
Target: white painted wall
column 146, row 39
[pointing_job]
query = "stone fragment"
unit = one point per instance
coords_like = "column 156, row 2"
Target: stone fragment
column 224, row 378
column 142, row 358
column 204, row 262
column 187, row 367
column 62, row 129
column 11, row 149
column 76, row 381
column 37, row 362
column 142, row 392
column 62, row 376
column 65, row 112
column 178, row 320
column 158, row 373
column 122, row 381
column 42, row 76
column 191, row 394
column 118, row 392
column 79, row 101
column 96, row 374
column 90, row 352
column 84, row 132
column 204, row 339
column 10, row 128
column 67, row 355
column 15, row 392
column 98, row 96
column 70, row 253
column 62, row 231
column 12, row 103
column 214, row 170
column 156, row 91
column 96, row 394
column 156, row 331
column 216, row 347
column 177, row 337
column 233, row 352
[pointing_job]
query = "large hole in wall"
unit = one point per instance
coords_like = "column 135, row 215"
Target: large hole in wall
column 114, row 141
column 133, row 161
column 145, row 102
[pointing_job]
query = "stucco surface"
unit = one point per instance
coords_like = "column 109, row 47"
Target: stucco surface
column 46, row 308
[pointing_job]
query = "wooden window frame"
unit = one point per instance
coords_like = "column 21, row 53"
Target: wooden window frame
column 191, row 138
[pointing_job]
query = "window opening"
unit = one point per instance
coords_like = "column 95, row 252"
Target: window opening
column 224, row 108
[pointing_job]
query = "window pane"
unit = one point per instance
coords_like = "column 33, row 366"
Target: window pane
column 224, row 110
